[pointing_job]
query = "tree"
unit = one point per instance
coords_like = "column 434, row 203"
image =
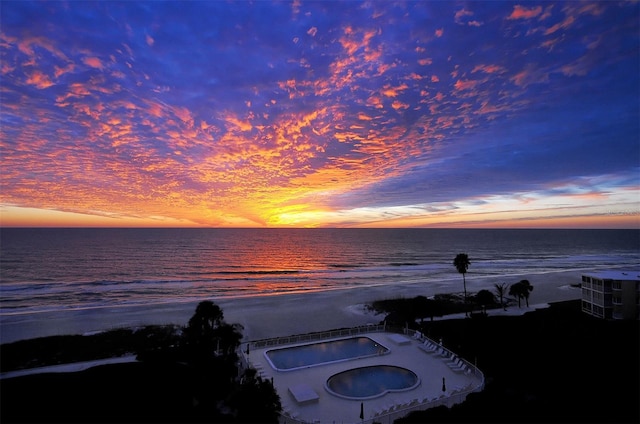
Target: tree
column 484, row 298
column 461, row 262
column 201, row 326
column 521, row 290
column 501, row 291
column 208, row 315
column 514, row 290
column 255, row 400
column 526, row 288
column 228, row 337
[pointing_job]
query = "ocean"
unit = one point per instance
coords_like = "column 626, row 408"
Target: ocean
column 55, row 270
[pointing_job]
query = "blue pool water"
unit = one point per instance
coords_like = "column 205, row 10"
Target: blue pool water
column 370, row 382
column 312, row 354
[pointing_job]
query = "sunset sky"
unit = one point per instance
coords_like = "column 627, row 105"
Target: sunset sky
column 320, row 114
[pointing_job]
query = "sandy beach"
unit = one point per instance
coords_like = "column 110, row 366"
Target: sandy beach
column 282, row 315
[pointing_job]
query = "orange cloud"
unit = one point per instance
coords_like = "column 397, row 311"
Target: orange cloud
column 397, row 105
column 39, row 79
column 390, row 91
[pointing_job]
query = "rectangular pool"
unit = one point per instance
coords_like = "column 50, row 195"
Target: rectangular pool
column 308, row 355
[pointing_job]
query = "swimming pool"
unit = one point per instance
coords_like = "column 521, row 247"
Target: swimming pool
column 312, row 354
column 371, row 382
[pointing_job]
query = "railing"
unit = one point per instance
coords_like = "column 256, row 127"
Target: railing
column 320, row 335
column 389, row 416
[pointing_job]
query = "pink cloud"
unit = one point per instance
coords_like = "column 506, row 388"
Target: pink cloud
column 569, row 20
column 461, row 14
column 465, row 84
column 521, row 12
column 488, row 69
column 529, row 76
column 93, row 62
column 578, row 67
column 58, row 71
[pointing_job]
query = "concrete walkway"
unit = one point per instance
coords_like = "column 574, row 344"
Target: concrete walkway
column 326, row 407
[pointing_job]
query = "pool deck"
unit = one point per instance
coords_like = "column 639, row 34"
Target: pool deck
column 304, row 397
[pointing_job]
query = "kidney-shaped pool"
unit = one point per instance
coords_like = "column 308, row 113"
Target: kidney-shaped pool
column 371, row 382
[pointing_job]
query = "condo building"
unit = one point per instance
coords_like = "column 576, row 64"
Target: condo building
column 611, row 294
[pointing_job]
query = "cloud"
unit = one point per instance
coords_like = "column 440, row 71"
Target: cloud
column 93, row 62
column 530, row 75
column 381, row 117
column 522, row 12
column 39, row 79
column 463, row 17
column 465, row 84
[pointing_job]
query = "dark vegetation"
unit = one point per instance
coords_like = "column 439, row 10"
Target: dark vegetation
column 412, row 311
column 55, row 350
column 184, row 375
column 554, row 365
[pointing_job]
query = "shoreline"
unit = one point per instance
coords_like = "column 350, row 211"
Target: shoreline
column 283, row 314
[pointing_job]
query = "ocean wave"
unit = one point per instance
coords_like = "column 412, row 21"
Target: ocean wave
column 175, row 270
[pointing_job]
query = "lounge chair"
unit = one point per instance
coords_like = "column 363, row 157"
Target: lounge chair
column 457, row 366
column 427, row 347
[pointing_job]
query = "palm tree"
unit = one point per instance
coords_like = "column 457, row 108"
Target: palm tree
column 526, row 288
column 521, row 289
column 208, row 316
column 461, row 262
column 501, row 291
column 514, row 290
column 205, row 320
